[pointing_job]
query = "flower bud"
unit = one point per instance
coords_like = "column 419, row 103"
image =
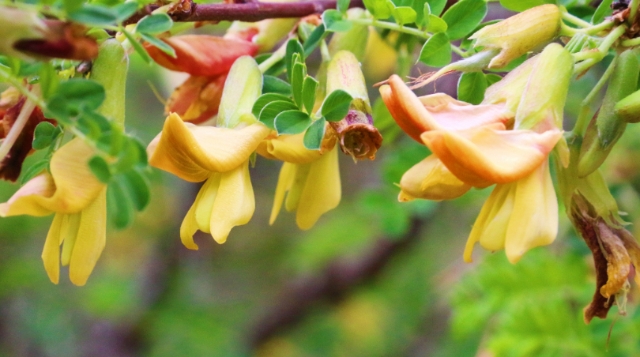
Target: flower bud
column 607, row 127
column 241, row 90
column 110, row 70
column 629, row 108
column 353, row 40
column 358, row 137
column 520, row 34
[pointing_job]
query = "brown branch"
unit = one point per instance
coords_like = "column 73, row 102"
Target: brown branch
column 337, row 280
column 187, row 11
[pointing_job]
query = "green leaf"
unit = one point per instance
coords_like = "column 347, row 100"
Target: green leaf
column 436, row 52
column 297, row 81
column 437, row 6
column 436, row 24
column 293, row 47
column 271, row 84
column 333, row 21
column 404, row 15
column 423, row 11
column 313, row 136
column 270, row 111
column 155, row 23
column 463, row 17
column 492, row 78
column 309, row 93
column 292, row 122
column 131, row 155
column 94, row 15
column 125, row 10
column 265, row 99
column 521, row 5
column 138, row 188
column 137, row 47
column 120, row 207
column 314, row 39
column 44, row 134
column 161, row 45
column 343, row 6
column 380, row 9
column 100, row 169
column 471, row 87
column 77, row 92
column 72, row 5
column 111, row 141
column 34, row 170
column 336, row 106
column 603, row 10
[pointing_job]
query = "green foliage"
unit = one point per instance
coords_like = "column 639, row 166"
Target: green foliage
column 521, row 5
column 333, row 21
column 463, row 17
column 336, row 105
column 603, row 10
column 471, row 87
column 436, row 52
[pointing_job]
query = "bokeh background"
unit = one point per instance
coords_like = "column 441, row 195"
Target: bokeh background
column 373, row 278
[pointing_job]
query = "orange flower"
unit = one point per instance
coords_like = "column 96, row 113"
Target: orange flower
column 208, row 60
column 505, row 140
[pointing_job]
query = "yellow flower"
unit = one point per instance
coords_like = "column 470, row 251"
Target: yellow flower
column 78, row 199
column 310, row 179
column 472, row 147
column 219, row 155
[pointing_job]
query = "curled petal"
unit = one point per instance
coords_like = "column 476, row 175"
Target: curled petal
column 431, row 180
column 192, row 153
column 74, row 186
column 286, row 178
column 290, row 148
column 234, row 203
column 197, row 99
column 483, row 156
column 51, row 250
column 202, row 55
column 188, row 228
column 90, row 240
column 417, row 115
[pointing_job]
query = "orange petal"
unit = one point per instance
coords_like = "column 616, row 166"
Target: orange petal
column 431, row 180
column 201, row 55
column 193, row 152
column 483, row 156
column 197, row 99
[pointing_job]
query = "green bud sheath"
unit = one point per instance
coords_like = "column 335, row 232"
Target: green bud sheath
column 344, row 73
column 110, row 70
column 241, row 90
column 629, row 108
column 607, row 127
column 353, row 40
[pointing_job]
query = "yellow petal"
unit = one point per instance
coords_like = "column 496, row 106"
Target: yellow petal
column 90, row 241
column 188, row 228
column 204, row 202
column 296, row 187
column 234, row 204
column 24, row 201
column 193, row 152
column 534, row 221
column 288, row 148
column 73, row 188
column 491, row 225
column 431, row 180
column 485, row 155
column 321, row 191
column 285, row 181
column 51, row 250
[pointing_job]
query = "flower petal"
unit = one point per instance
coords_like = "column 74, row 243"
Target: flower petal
column 290, row 148
column 51, row 249
column 188, row 228
column 534, row 221
column 197, row 99
column 192, row 153
column 26, row 199
column 430, row 179
column 90, row 240
column 234, row 204
column 485, row 155
column 285, row 182
column 321, row 191
column 201, row 55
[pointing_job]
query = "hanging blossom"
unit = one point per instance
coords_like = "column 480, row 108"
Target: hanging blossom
column 505, row 140
column 78, row 199
column 218, row 155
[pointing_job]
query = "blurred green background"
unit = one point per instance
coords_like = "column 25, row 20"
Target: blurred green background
column 373, row 278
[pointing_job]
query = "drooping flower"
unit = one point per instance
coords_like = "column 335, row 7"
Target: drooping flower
column 309, row 179
column 208, row 60
column 218, row 155
column 505, row 140
column 78, row 200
